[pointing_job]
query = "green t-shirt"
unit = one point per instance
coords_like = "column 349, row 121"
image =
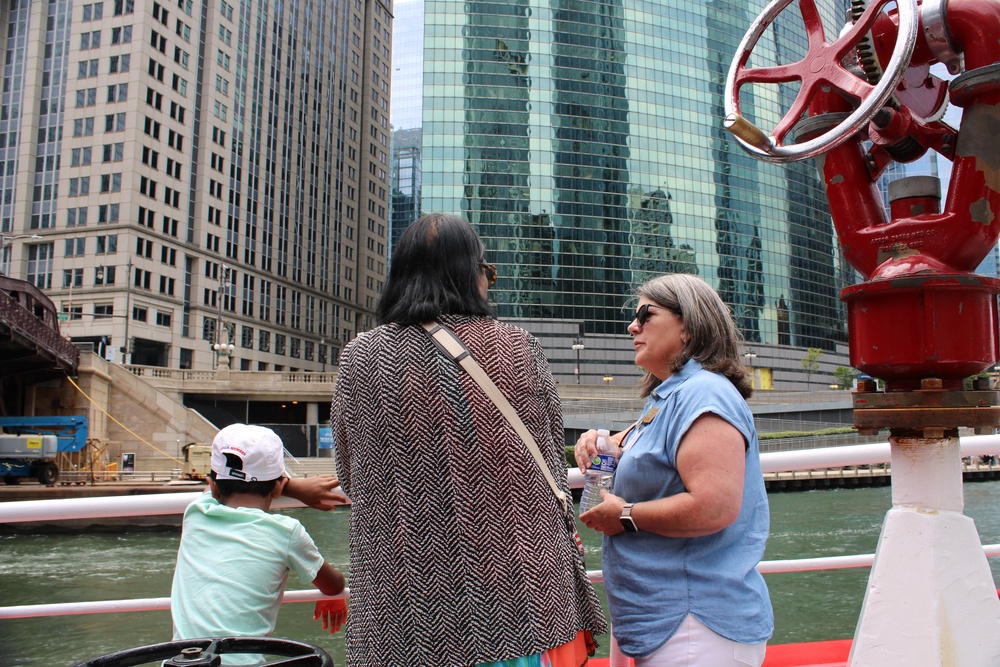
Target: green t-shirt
column 231, row 571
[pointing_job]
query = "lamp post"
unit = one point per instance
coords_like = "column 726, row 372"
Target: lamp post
column 576, row 347
column 224, row 351
column 126, row 347
column 223, row 289
column 750, row 356
column 322, row 353
column 5, row 239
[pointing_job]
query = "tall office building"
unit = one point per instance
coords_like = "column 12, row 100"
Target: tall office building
column 584, row 140
column 176, row 175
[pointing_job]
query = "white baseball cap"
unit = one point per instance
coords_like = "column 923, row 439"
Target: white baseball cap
column 248, row 453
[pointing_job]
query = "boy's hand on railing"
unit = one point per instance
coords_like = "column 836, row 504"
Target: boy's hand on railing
column 316, row 492
column 331, row 614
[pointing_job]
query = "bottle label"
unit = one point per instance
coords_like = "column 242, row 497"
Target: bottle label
column 603, row 463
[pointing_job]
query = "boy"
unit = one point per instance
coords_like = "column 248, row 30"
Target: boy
column 235, row 556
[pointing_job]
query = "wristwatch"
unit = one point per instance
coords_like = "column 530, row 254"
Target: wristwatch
column 628, row 523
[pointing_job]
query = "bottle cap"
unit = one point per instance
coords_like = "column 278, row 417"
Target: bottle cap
column 603, row 432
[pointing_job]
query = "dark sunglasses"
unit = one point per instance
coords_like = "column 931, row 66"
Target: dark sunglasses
column 642, row 314
column 490, row 271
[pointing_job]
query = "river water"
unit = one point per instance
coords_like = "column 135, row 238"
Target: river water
column 119, row 564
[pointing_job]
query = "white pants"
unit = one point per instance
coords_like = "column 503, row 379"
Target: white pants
column 694, row 645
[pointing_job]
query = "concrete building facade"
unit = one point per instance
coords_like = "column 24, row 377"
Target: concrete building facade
column 191, row 179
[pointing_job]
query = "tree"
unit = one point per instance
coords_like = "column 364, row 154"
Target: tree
column 845, row 377
column 810, row 362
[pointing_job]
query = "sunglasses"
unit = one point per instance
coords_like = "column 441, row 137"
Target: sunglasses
column 490, row 271
column 642, row 314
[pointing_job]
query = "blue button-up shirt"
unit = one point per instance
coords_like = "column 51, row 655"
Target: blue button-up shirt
column 654, row 582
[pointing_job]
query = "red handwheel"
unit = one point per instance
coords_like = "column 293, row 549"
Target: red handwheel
column 823, row 66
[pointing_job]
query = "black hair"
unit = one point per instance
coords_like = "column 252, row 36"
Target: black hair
column 435, row 271
column 228, row 487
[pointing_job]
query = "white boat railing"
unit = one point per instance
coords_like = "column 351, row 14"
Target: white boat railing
column 48, row 511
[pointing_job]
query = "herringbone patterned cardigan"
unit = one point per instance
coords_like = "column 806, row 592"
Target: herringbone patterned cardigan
column 460, row 553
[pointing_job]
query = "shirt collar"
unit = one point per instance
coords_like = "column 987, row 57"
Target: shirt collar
column 671, row 384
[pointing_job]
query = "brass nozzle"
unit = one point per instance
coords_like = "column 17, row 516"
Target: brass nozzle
column 749, row 133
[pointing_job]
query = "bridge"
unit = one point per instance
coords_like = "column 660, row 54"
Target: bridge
column 31, row 346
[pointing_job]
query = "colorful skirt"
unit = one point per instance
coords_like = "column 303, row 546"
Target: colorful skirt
column 574, row 653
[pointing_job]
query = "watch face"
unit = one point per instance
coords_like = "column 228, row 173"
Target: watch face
column 628, row 523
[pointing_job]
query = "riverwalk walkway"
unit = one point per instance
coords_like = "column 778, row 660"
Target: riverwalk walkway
column 79, row 485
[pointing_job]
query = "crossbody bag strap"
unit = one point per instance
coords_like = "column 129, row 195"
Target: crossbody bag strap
column 451, row 345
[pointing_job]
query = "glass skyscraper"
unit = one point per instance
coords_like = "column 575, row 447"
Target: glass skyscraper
column 584, row 141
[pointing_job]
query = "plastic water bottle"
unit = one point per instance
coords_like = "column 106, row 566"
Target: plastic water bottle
column 598, row 476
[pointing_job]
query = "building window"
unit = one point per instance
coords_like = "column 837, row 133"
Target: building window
column 86, row 98
column 76, row 217
column 93, row 12
column 40, row 265
column 107, row 213
column 114, row 122
column 79, row 186
column 122, row 35
column 119, row 64
column 107, row 245
column 118, row 92
column 90, row 40
column 76, row 247
column 208, row 329
column 111, row 183
column 72, row 277
column 88, row 68
column 102, row 311
column 114, row 152
column 80, row 157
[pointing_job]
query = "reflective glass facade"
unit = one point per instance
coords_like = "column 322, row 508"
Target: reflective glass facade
column 584, row 141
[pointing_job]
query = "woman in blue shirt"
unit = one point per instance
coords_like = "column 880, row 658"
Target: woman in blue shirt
column 687, row 518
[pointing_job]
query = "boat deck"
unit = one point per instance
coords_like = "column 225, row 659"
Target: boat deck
column 808, row 654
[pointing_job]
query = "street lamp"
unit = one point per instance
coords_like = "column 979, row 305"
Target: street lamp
column 222, row 293
column 750, row 356
column 125, row 349
column 576, row 347
column 322, row 352
column 3, row 243
column 225, row 351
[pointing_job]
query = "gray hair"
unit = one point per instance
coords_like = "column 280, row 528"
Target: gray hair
column 713, row 338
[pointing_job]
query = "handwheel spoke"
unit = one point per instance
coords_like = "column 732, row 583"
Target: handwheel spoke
column 771, row 74
column 849, row 83
column 814, row 25
column 789, row 120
